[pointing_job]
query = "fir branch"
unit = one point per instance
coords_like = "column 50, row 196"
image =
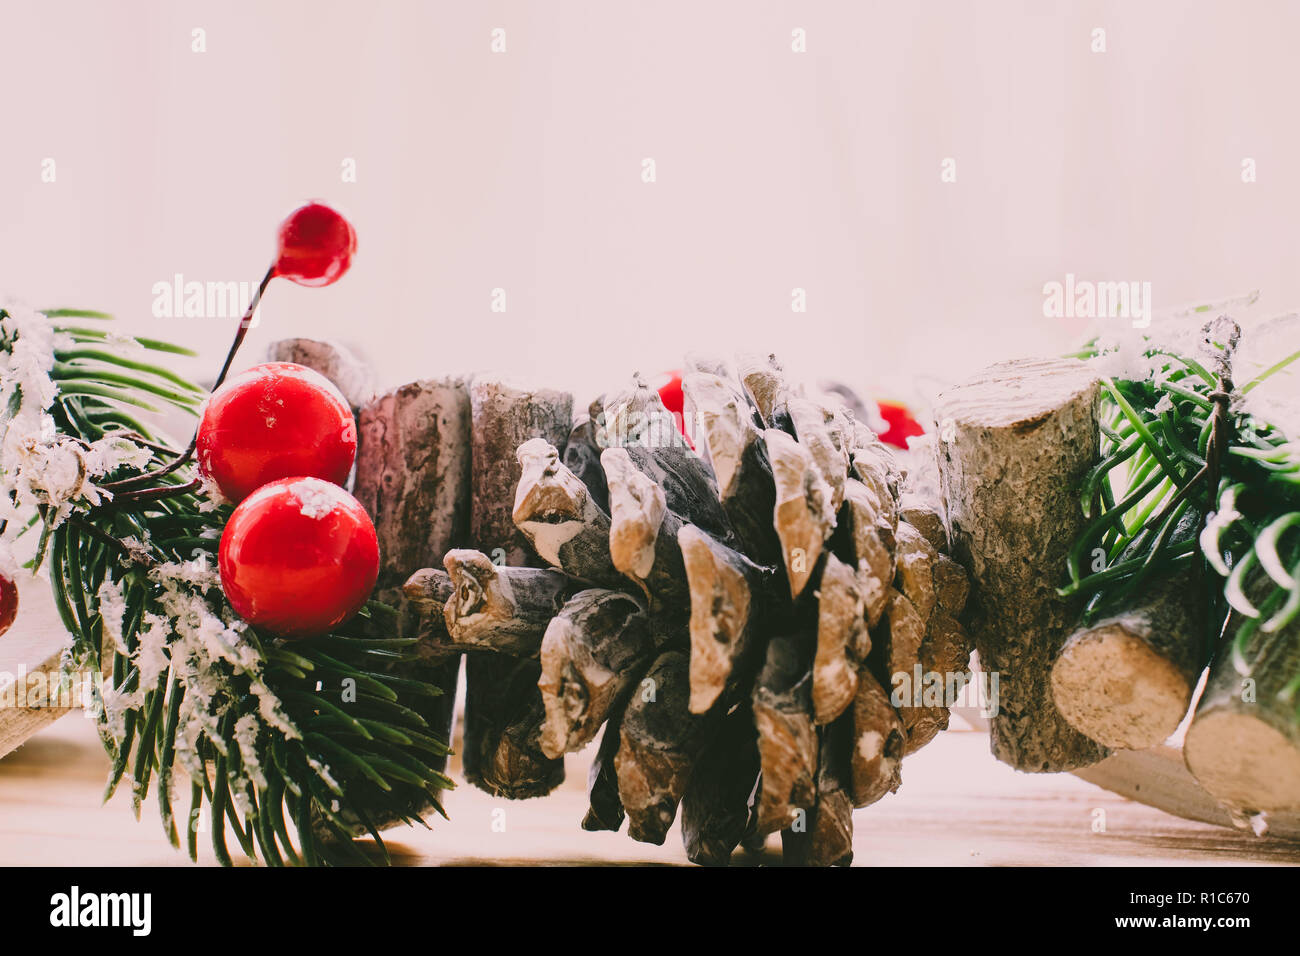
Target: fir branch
column 1244, row 485
column 315, row 733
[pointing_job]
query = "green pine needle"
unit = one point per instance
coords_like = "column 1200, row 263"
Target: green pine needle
column 357, row 749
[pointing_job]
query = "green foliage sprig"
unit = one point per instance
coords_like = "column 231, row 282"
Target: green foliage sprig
column 292, row 748
column 1176, row 444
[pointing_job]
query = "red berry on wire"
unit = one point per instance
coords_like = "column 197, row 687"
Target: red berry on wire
column 316, row 245
column 8, row 602
column 274, row 421
column 298, row 557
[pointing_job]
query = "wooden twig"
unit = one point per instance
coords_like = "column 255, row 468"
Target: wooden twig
column 1127, row 679
column 1243, row 745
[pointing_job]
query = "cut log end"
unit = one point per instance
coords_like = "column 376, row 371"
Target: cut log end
column 1021, row 394
column 1244, row 761
column 1110, row 685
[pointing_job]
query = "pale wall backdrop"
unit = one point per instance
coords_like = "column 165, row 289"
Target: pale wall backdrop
column 522, row 170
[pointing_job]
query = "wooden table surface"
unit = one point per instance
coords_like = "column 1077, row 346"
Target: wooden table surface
column 957, row 807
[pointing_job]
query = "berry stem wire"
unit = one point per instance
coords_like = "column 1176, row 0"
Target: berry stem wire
column 245, row 324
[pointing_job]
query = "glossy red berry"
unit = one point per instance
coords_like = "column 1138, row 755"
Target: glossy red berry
column 8, row 602
column 274, row 421
column 316, row 245
column 902, row 425
column 298, row 557
column 670, row 393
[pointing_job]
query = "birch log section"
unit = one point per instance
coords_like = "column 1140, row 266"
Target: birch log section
column 350, row 375
column 413, row 473
column 1127, row 680
column 413, row 479
column 1015, row 442
column 503, row 706
column 1243, row 745
column 504, row 416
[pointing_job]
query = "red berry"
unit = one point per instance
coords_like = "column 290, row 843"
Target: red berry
column 670, row 393
column 901, row 424
column 316, row 245
column 274, row 421
column 298, row 557
column 8, row 602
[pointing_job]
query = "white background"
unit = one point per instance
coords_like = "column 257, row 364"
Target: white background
column 775, row 170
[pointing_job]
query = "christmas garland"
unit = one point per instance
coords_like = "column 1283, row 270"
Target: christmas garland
column 295, row 748
column 299, row 728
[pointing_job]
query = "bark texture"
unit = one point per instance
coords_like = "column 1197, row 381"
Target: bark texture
column 1015, row 442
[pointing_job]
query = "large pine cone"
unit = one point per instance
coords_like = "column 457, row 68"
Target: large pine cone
column 732, row 618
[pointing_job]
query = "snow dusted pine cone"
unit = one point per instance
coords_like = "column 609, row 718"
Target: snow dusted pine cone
column 736, row 620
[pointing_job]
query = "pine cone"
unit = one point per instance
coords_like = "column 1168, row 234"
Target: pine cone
column 731, row 618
